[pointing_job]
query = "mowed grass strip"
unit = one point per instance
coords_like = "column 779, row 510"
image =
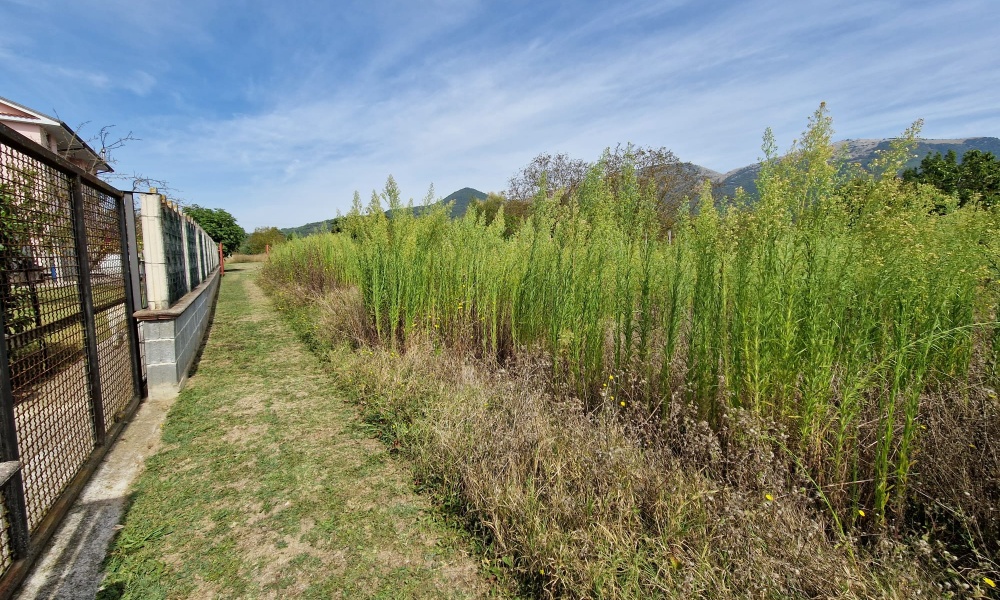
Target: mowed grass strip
column 267, row 486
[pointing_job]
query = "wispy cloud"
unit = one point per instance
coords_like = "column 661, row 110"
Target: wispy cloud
column 278, row 113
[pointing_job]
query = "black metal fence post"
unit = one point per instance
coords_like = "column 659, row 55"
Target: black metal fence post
column 128, row 272
column 13, row 488
column 87, row 303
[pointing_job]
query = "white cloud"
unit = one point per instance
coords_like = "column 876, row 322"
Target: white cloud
column 428, row 101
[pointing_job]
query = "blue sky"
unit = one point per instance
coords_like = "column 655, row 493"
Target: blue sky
column 278, row 111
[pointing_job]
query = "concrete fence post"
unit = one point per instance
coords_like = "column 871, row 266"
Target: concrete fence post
column 151, row 216
column 186, row 253
column 202, row 267
column 211, row 249
column 207, row 247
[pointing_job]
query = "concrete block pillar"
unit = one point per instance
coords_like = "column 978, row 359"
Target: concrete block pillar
column 151, row 217
column 202, row 254
column 184, row 244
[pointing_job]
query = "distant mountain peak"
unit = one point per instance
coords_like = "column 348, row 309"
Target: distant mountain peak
column 863, row 151
column 461, row 199
column 466, row 191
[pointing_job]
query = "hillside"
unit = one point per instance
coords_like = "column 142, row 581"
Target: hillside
column 863, row 151
column 308, row 229
column 462, row 199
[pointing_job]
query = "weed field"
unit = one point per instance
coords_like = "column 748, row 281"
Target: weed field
column 785, row 396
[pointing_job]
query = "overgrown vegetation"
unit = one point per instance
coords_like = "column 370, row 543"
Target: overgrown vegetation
column 246, row 258
column 975, row 179
column 261, row 239
column 219, row 225
column 793, row 397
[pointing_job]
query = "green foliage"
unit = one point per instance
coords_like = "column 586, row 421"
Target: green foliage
column 311, row 228
column 514, row 212
column 829, row 308
column 460, row 202
column 976, row 179
column 25, row 217
column 262, row 237
column 219, row 225
column 675, row 186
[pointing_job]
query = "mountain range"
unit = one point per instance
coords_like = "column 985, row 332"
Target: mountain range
column 861, row 152
column 858, row 151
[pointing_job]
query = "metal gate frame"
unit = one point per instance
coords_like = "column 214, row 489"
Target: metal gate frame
column 26, row 546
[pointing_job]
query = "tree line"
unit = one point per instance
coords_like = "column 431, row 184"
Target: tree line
column 973, row 179
column 222, row 227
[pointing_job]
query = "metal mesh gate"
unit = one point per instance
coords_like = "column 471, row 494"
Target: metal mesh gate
column 69, row 350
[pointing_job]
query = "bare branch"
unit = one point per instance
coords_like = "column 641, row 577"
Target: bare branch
column 139, row 182
column 108, row 144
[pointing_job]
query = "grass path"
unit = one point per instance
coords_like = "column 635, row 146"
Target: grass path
column 267, row 485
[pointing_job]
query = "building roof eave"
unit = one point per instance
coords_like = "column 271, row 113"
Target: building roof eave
column 67, row 141
column 75, row 147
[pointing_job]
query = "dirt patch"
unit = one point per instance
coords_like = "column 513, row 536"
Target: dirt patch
column 247, row 406
column 243, row 433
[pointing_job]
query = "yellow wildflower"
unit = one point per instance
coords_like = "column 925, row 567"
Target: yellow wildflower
column 769, row 497
column 861, row 512
column 989, row 582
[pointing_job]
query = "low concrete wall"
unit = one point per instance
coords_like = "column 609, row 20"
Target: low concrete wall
column 172, row 337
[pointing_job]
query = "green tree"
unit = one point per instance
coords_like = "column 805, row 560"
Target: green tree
column 975, row 179
column 261, row 238
column 220, row 225
column 674, row 183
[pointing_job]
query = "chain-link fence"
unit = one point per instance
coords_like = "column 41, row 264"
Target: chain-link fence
column 69, row 355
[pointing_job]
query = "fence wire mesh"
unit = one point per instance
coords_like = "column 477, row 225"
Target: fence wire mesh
column 45, row 323
column 44, row 328
column 107, row 280
column 173, row 253
column 194, row 272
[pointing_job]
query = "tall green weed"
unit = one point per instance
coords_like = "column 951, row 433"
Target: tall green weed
column 829, row 306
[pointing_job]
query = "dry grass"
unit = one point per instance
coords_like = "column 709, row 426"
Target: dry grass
column 576, row 503
column 246, row 258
